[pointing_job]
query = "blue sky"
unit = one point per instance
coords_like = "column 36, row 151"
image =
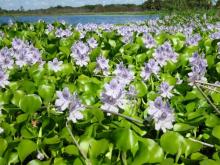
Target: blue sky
column 37, row 4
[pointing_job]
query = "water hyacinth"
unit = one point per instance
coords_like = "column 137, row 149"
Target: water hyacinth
column 149, row 68
column 165, row 90
column 215, row 35
column 79, row 53
column 64, row 98
column 149, row 41
column 113, row 96
column 102, row 65
column 161, row 113
column 193, row 40
column 92, row 43
column 165, row 53
column 62, row 33
column 49, row 29
column 69, row 101
column 123, row 74
column 3, row 79
column 198, row 66
column 55, row 65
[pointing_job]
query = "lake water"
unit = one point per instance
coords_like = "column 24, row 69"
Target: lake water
column 83, row 19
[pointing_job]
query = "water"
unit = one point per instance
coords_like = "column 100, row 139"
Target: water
column 83, row 19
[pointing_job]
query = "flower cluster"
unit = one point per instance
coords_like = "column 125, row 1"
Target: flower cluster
column 55, row 65
column 198, row 66
column 149, row 41
column 114, row 96
column 151, row 67
column 165, row 53
column 66, row 100
column 193, row 40
column 79, row 53
column 102, row 65
column 61, row 33
column 123, row 74
column 162, row 114
column 215, row 35
column 92, row 43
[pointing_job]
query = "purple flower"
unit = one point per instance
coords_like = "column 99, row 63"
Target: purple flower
column 75, row 109
column 17, row 43
column 149, row 68
column 92, row 43
column 3, row 79
column 149, row 41
column 80, row 53
column 193, row 40
column 198, row 65
column 102, row 65
column 114, row 97
column 161, row 113
column 165, row 90
column 6, row 62
column 55, row 65
column 64, row 99
column 123, row 74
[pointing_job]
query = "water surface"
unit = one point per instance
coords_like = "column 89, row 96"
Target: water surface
column 83, row 19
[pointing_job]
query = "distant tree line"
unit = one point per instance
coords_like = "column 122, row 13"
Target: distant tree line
column 146, row 6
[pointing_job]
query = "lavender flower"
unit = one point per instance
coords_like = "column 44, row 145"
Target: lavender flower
column 68, row 101
column 149, row 68
column 215, row 35
column 161, row 113
column 75, row 109
column 149, row 41
column 165, row 90
column 64, row 99
column 49, row 29
column 55, row 65
column 113, row 97
column 92, row 43
column 3, row 79
column 6, row 62
column 17, row 43
column 80, row 53
column 102, row 65
column 123, row 74
column 193, row 40
column 198, row 66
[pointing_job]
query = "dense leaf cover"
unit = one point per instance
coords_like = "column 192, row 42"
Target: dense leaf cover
column 142, row 93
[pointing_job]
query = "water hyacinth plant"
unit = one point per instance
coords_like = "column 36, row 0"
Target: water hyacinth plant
column 141, row 93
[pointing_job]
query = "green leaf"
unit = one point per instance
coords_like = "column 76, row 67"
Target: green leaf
column 192, row 147
column 4, row 145
column 141, row 88
column 216, row 131
column 21, row 118
column 30, row 103
column 212, row 120
column 95, row 149
column 59, row 161
column 216, row 98
column 125, row 139
column 209, row 162
column 52, row 140
column 71, row 150
column 172, row 146
column 18, row 94
column 148, row 152
column 38, row 162
column 25, row 148
column 46, row 92
column 182, row 127
column 218, row 67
